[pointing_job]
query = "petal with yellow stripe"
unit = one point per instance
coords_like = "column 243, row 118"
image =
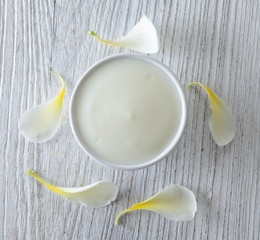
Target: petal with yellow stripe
column 142, row 38
column 40, row 123
column 96, row 195
column 176, row 203
column 221, row 122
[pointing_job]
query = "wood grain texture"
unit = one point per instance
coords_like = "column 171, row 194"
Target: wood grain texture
column 214, row 42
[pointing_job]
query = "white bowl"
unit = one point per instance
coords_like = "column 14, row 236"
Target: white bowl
column 176, row 137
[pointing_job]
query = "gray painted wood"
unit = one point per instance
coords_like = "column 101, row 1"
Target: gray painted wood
column 215, row 42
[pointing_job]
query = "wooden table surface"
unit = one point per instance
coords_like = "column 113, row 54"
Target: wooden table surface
column 214, row 42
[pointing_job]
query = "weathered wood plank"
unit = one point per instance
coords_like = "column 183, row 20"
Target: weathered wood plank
column 215, row 42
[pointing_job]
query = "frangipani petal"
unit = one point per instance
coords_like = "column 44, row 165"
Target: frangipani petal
column 142, row 38
column 96, row 195
column 39, row 124
column 221, row 122
column 176, row 202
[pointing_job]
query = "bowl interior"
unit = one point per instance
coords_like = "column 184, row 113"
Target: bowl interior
column 95, row 156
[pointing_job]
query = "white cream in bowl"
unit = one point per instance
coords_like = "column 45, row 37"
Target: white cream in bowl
column 128, row 111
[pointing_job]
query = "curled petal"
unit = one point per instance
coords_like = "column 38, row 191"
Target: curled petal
column 142, row 38
column 96, row 195
column 221, row 122
column 176, row 202
column 40, row 123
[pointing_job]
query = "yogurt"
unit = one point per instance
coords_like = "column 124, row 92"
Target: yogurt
column 127, row 111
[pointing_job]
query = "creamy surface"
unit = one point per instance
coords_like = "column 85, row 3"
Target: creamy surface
column 127, row 111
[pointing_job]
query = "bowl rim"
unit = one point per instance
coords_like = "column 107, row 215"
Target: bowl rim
column 176, row 137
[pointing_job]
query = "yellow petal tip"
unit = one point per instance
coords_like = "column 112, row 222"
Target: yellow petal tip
column 32, row 173
column 93, row 34
column 61, row 78
column 29, row 171
column 97, row 37
column 193, row 83
column 120, row 214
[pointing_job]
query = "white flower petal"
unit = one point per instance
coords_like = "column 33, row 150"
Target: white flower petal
column 176, row 202
column 221, row 122
column 39, row 124
column 142, row 38
column 95, row 195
